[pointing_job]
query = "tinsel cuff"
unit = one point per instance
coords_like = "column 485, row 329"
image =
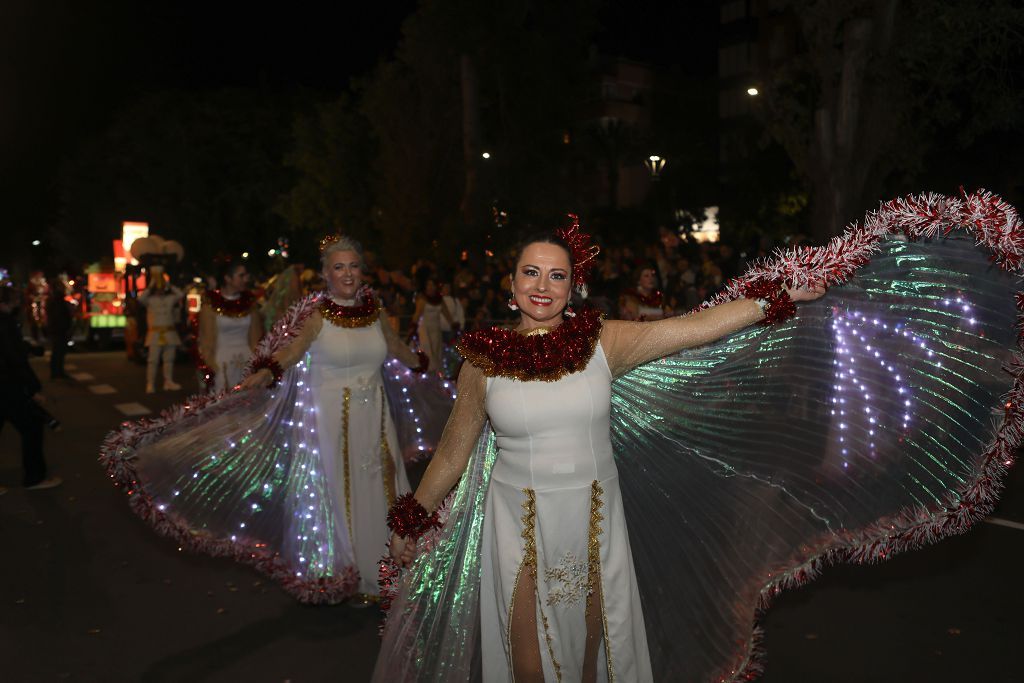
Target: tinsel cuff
column 409, row 519
column 269, row 363
column 778, row 305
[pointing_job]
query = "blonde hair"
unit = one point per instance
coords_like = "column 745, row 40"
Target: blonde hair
column 338, row 243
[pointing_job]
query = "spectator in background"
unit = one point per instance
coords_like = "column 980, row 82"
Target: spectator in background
column 458, row 313
column 59, row 321
column 20, row 396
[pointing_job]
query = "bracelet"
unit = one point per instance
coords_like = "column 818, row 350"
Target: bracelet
column 424, row 362
column 773, row 299
column 269, row 363
column 409, row 519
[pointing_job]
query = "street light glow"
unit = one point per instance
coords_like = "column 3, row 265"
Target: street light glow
column 486, row 155
column 35, row 243
column 753, row 92
column 245, row 254
column 271, row 252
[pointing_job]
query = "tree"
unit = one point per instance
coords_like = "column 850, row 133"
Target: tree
column 873, row 85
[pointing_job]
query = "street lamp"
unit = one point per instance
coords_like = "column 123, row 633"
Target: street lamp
column 486, row 155
column 654, row 164
column 245, row 254
column 36, row 243
column 753, row 92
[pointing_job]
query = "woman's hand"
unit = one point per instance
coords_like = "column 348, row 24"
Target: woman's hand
column 806, row 293
column 257, row 380
column 403, row 550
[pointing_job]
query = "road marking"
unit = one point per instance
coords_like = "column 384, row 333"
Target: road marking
column 102, row 389
column 132, row 409
column 999, row 521
column 82, row 376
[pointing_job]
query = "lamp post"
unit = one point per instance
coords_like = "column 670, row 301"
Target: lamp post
column 654, row 164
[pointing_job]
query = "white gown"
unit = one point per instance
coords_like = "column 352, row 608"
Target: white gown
column 555, row 477
column 362, row 459
column 232, row 351
column 429, row 332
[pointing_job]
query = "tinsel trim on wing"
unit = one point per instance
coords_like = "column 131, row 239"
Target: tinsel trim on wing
column 117, row 456
column 118, row 453
column 994, row 224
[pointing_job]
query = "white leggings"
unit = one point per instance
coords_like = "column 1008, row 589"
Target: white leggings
column 155, row 351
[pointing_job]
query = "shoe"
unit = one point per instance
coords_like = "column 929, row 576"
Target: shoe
column 171, row 386
column 48, row 483
column 150, row 389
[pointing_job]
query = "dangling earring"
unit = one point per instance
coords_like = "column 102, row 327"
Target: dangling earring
column 512, row 304
column 568, row 312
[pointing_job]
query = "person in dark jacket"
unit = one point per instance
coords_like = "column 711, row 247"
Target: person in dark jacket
column 58, row 327
column 20, row 396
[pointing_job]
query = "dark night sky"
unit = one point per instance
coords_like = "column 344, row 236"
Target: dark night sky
column 66, row 66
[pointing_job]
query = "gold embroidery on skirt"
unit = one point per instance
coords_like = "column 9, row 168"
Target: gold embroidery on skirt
column 387, row 461
column 346, row 400
column 574, row 578
column 594, row 567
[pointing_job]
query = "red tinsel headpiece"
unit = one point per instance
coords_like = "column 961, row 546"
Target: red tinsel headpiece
column 584, row 254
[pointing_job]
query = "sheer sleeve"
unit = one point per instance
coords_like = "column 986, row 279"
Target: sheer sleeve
column 396, row 347
column 207, row 332
column 290, row 355
column 460, row 437
column 629, row 344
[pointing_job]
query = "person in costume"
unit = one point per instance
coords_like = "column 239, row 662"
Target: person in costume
column 230, row 326
column 558, row 575
column 880, row 417
column 430, row 307
column 644, row 301
column 161, row 300
column 346, row 339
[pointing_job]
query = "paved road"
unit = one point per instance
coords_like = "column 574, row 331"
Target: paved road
column 89, row 593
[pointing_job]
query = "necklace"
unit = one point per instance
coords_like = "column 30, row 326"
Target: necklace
column 543, row 354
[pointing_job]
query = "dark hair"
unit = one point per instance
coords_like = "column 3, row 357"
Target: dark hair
column 227, row 268
column 542, row 238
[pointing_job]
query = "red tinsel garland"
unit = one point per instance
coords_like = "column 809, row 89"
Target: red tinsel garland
column 269, row 363
column 652, row 300
column 501, row 352
column 360, row 315
column 234, row 308
column 779, row 305
column 409, row 519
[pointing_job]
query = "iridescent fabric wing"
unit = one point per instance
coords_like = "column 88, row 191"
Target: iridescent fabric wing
column 420, row 405
column 866, row 425
column 239, row 475
column 433, row 628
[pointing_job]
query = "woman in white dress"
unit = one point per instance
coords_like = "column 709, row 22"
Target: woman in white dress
column 230, row 326
column 430, row 308
column 558, row 595
column 645, row 301
column 345, row 341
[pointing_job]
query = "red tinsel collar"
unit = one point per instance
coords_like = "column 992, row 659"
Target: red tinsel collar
column 360, row 315
column 234, row 308
column 652, row 300
column 501, row 352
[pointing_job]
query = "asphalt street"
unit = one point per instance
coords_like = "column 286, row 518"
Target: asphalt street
column 89, row 593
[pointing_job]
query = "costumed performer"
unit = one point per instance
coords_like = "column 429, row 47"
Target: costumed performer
column 570, row 588
column 876, row 400
column 430, row 307
column 161, row 300
column 643, row 302
column 348, row 339
column 230, row 326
